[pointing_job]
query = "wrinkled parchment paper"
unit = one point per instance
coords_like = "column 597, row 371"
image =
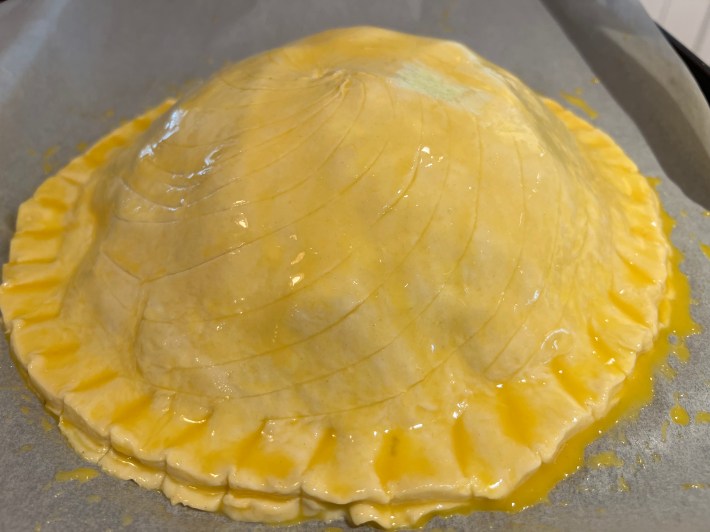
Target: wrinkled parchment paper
column 70, row 71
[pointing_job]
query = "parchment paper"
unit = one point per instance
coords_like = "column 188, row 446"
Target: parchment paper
column 70, row 71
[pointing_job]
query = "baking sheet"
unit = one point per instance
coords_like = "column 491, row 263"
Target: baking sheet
column 70, row 71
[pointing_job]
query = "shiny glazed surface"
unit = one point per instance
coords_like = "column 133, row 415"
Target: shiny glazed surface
column 367, row 274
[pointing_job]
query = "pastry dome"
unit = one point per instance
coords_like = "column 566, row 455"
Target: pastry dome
column 365, row 274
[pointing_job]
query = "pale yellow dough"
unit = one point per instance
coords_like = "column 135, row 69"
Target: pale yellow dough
column 366, row 274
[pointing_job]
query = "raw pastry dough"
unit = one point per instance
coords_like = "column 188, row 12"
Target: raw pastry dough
column 366, row 274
